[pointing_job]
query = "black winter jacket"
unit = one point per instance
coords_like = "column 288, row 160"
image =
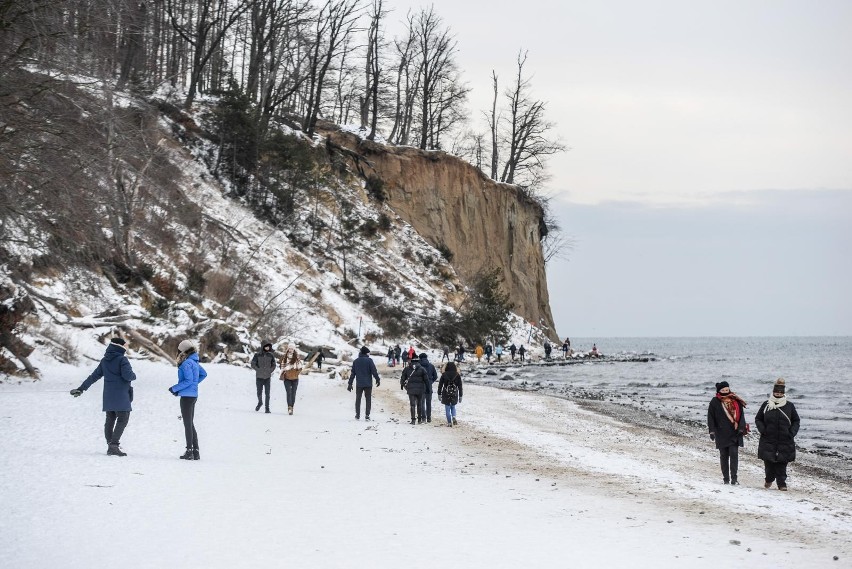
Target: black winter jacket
column 777, row 429
column 443, row 395
column 415, row 380
column 719, row 425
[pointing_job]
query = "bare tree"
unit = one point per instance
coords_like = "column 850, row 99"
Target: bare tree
column 493, row 126
column 370, row 100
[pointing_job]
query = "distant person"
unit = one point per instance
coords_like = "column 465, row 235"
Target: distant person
column 450, row 392
column 432, row 374
column 778, row 423
column 489, row 351
column 390, row 357
column 595, row 353
column 547, row 349
column 565, row 347
column 446, row 354
column 521, row 351
column 363, row 371
column 415, row 381
column 461, row 352
column 411, row 353
column 190, row 374
column 727, row 426
column 263, row 364
column 291, row 368
column 479, row 351
column 513, row 350
column 404, row 356
column 115, row 368
column 320, row 357
column 498, row 351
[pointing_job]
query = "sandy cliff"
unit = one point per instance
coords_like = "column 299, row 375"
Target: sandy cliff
column 483, row 223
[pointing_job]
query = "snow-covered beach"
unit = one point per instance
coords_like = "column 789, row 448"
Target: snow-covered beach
column 524, row 478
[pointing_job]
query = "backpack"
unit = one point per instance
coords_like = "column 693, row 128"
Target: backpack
column 451, row 393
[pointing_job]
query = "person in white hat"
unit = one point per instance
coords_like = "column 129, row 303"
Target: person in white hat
column 190, row 374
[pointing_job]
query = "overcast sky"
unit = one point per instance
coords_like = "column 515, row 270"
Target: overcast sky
column 708, row 186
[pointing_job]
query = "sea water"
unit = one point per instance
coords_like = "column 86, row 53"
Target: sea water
column 680, row 381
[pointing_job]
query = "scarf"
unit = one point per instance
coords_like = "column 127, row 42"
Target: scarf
column 733, row 406
column 775, row 403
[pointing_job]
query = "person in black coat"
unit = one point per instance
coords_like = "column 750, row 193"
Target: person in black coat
column 415, row 381
column 450, row 392
column 778, row 423
column 727, row 426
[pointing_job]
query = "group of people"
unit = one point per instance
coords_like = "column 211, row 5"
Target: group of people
column 777, row 422
column 118, row 375
column 263, row 364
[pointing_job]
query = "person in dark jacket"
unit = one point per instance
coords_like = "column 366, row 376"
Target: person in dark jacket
column 190, row 374
column 521, row 351
column 363, row 372
column 450, row 392
column 118, row 393
column 432, row 373
column 415, row 381
column 513, row 350
column 778, row 423
column 263, row 364
column 727, row 426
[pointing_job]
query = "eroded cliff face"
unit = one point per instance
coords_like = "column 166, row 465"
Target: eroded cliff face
column 483, row 223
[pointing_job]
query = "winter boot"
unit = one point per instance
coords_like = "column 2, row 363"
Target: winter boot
column 267, row 410
column 412, row 421
column 767, row 485
column 259, row 405
column 290, row 410
column 114, row 450
column 367, row 418
column 188, row 455
column 196, row 455
column 455, row 422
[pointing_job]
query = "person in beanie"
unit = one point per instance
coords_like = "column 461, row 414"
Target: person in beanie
column 778, row 423
column 450, row 392
column 727, row 426
column 363, row 371
column 190, row 374
column 415, row 381
column 263, row 364
column 291, row 367
column 118, row 393
column 432, row 374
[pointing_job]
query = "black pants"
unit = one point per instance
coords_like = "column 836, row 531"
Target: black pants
column 291, row 385
column 187, row 410
column 263, row 385
column 729, row 458
column 776, row 471
column 116, row 421
column 416, row 402
column 368, row 395
column 427, row 399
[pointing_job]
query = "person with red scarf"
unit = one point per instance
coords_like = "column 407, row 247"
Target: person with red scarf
column 726, row 422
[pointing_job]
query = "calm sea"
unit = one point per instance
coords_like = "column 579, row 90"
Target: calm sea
column 681, row 382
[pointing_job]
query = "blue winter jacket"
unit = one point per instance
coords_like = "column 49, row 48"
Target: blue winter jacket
column 363, row 370
column 190, row 374
column 117, row 373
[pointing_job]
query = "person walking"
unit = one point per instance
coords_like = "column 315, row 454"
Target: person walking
column 404, row 356
column 727, row 426
column 390, row 357
column 513, row 350
column 565, row 349
column 263, row 364
column 489, row 350
column 479, row 351
column 521, row 351
column 363, row 370
column 397, row 351
column 450, row 392
column 778, row 423
column 291, row 367
column 190, row 374
column 547, row 349
column 498, row 351
column 461, row 352
column 415, row 381
column 320, row 357
column 432, row 374
column 115, row 368
column 446, row 354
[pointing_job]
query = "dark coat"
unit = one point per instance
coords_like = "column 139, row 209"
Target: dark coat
column 263, row 362
column 117, row 373
column 777, row 429
column 457, row 380
column 415, row 380
column 363, row 370
column 719, row 425
column 431, row 372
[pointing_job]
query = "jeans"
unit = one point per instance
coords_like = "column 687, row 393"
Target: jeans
column 263, row 385
column 187, row 410
column 427, row 400
column 726, row 455
column 776, row 471
column 368, row 395
column 451, row 413
column 291, row 385
column 416, row 402
column 114, row 426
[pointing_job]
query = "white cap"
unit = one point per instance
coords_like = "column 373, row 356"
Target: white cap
column 186, row 345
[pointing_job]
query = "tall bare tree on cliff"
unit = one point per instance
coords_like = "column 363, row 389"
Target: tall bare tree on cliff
column 370, row 101
column 493, row 126
column 333, row 25
column 526, row 137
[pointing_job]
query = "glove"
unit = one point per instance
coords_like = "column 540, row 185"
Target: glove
column 378, row 383
column 713, row 437
column 349, row 388
column 76, row 392
column 172, row 392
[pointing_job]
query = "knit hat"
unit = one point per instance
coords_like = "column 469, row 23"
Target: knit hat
column 779, row 386
column 186, row 345
column 118, row 341
column 423, row 356
column 722, row 385
column 365, row 351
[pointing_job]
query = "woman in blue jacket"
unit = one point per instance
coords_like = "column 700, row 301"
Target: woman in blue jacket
column 190, row 374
